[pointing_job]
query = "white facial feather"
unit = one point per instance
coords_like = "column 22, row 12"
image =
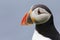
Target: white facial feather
column 40, row 18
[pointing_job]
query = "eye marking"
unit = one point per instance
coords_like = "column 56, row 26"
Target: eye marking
column 39, row 11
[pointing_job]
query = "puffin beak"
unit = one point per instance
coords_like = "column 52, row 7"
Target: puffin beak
column 26, row 20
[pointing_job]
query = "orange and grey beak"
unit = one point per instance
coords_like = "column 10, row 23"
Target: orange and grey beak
column 26, row 20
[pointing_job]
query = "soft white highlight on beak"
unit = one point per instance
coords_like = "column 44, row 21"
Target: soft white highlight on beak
column 43, row 17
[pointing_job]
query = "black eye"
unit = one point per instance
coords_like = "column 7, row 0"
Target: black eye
column 39, row 12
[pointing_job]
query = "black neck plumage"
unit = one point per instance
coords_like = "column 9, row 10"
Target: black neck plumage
column 48, row 29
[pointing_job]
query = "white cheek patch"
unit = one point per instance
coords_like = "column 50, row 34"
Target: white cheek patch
column 43, row 10
column 43, row 17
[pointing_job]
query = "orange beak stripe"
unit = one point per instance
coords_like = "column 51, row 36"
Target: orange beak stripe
column 23, row 22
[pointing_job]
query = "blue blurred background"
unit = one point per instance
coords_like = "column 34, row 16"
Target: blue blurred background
column 11, row 13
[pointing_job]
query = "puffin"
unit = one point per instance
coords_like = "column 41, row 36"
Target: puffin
column 42, row 17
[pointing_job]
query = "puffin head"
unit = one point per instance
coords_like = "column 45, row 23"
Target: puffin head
column 38, row 14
